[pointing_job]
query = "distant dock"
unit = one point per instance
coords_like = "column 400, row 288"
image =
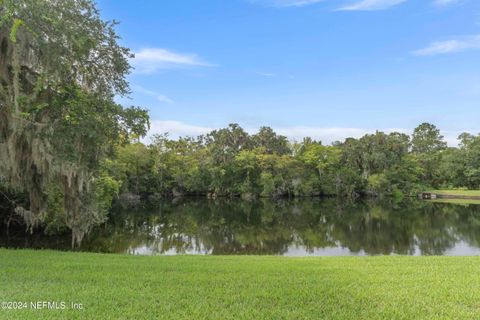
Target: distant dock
column 467, row 195
column 427, row 196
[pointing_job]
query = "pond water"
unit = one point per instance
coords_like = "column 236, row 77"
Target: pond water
column 301, row 227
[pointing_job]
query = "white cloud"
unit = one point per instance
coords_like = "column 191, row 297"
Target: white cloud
column 370, row 5
column 326, row 135
column 176, row 129
column 163, row 98
column 150, row 60
column 158, row 96
column 450, row 46
column 287, row 3
column 265, row 74
column 443, row 3
column 329, row 135
column 450, row 137
column 360, row 5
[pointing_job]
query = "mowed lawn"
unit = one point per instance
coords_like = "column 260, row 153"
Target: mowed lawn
column 239, row 287
column 458, row 192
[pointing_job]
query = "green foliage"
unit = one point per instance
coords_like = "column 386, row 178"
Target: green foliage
column 272, row 143
column 17, row 23
column 426, row 138
column 230, row 162
column 378, row 183
column 55, row 219
column 106, row 189
column 267, row 184
column 61, row 68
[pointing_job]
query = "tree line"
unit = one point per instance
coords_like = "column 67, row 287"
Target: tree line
column 229, row 162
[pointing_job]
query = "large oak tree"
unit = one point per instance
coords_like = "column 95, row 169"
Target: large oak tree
column 60, row 68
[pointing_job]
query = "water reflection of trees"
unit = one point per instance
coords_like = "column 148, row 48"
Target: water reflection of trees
column 232, row 226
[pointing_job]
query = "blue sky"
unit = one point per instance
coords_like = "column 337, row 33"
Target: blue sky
column 324, row 68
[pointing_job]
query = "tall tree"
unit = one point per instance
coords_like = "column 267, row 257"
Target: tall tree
column 426, row 138
column 226, row 143
column 60, row 67
column 272, row 142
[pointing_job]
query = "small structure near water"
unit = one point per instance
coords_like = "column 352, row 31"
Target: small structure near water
column 427, row 196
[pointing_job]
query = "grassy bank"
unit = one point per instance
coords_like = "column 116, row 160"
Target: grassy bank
column 457, row 192
column 195, row 287
column 190, row 287
column 457, row 196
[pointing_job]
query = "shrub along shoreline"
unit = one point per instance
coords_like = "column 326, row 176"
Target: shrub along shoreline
column 237, row 287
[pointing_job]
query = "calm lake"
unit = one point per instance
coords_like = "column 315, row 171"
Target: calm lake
column 301, row 227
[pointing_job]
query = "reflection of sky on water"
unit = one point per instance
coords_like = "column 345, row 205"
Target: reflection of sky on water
column 146, row 251
column 324, row 252
column 460, row 249
column 156, row 249
column 293, row 251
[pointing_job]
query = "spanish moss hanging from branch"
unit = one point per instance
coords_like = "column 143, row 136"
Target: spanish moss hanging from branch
column 60, row 67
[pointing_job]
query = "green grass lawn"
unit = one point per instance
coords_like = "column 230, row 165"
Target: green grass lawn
column 458, row 192
column 239, row 287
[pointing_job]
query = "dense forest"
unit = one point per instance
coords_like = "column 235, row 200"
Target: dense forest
column 68, row 150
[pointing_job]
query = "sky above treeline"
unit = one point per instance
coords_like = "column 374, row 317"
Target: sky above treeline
column 328, row 69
